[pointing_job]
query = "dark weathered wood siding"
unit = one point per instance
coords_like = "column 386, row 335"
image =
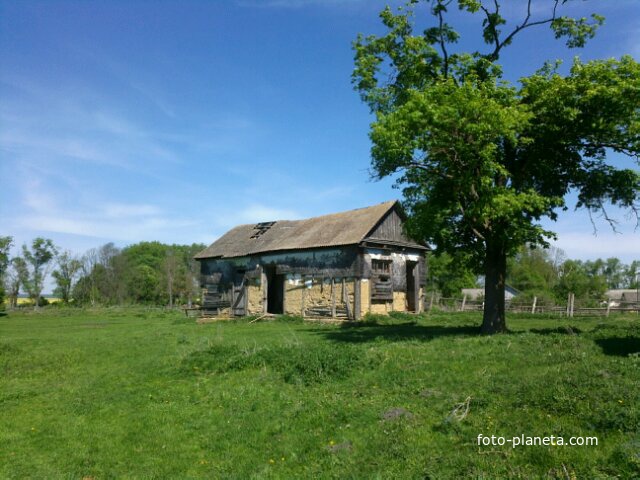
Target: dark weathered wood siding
column 328, row 262
column 390, row 228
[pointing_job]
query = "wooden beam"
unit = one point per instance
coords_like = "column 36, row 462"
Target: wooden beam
column 333, row 297
column 417, row 307
column 245, row 306
column 345, row 298
column 391, row 281
column 304, row 294
column 357, row 299
column 284, row 294
column 264, row 282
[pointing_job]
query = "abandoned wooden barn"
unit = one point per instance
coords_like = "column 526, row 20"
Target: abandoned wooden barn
column 340, row 265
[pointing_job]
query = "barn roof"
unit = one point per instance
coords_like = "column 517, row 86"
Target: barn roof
column 337, row 229
column 618, row 293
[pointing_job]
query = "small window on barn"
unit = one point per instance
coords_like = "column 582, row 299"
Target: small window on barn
column 261, row 228
column 381, row 286
column 381, row 267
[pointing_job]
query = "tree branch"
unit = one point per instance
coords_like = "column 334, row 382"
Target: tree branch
column 443, row 47
column 624, row 149
column 524, row 25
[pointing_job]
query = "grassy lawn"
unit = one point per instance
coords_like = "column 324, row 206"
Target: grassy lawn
column 148, row 394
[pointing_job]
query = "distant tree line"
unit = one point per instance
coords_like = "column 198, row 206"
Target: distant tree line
column 159, row 274
column 544, row 273
column 142, row 273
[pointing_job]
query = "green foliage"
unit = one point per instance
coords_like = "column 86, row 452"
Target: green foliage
column 534, row 270
column 35, row 267
column 449, row 275
column 68, row 269
column 294, row 363
column 5, row 246
column 482, row 161
column 146, row 273
column 575, row 279
column 372, row 401
column 545, row 273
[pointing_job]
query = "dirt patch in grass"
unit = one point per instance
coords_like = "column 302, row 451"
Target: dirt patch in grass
column 396, row 413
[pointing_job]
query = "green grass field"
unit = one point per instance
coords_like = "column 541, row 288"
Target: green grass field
column 150, row 394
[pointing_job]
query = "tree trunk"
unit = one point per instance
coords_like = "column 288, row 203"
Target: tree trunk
column 493, row 320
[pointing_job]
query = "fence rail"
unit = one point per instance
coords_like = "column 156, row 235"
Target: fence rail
column 568, row 310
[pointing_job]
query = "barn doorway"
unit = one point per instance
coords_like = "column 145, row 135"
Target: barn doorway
column 275, row 291
column 412, row 293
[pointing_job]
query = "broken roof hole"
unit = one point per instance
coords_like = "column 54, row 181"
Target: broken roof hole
column 260, row 228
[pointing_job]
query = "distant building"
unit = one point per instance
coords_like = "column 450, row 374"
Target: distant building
column 345, row 264
column 621, row 296
column 476, row 293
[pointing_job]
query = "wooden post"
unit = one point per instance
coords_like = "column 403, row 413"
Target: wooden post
column 464, row 302
column 333, row 297
column 245, row 290
column 533, row 308
column 570, row 305
column 391, row 281
column 433, row 296
column 356, row 299
column 265, row 290
column 284, row 294
column 304, row 294
column 608, row 306
column 345, row 298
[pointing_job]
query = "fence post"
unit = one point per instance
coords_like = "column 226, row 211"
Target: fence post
column 568, row 305
column 433, row 294
column 464, row 301
column 533, row 308
column 608, row 306
column 573, row 302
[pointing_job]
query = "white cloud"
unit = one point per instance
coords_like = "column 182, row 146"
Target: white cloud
column 604, row 245
column 131, row 229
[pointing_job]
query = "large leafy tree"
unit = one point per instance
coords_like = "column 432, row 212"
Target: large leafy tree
column 482, row 161
column 36, row 266
column 69, row 267
column 5, row 246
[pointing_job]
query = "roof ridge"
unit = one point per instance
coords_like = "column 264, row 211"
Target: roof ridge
column 339, row 228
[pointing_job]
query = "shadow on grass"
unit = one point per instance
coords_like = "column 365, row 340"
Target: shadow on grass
column 354, row 333
column 619, row 346
column 369, row 331
column 566, row 330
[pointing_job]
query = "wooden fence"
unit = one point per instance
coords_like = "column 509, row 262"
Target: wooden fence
column 570, row 309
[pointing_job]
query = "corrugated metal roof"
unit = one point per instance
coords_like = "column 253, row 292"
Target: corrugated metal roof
column 337, row 229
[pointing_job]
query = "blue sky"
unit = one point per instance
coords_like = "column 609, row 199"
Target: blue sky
column 137, row 120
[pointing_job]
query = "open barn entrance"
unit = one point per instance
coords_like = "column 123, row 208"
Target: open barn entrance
column 412, row 293
column 275, row 291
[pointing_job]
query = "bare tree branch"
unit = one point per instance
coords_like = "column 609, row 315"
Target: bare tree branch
column 499, row 44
